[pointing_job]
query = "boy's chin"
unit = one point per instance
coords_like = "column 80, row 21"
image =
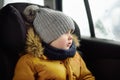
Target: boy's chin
column 66, row 48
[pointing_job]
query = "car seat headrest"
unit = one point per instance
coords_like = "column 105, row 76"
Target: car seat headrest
column 12, row 29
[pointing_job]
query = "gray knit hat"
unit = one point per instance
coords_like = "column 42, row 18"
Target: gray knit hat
column 51, row 24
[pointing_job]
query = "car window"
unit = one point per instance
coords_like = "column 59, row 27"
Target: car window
column 40, row 2
column 106, row 18
column 76, row 10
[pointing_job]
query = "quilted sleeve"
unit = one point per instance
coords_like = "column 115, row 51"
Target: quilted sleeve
column 24, row 69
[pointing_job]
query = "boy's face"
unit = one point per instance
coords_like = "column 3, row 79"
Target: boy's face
column 63, row 42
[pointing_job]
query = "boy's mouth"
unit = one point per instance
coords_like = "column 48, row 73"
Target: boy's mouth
column 69, row 44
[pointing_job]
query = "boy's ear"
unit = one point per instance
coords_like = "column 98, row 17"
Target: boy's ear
column 76, row 40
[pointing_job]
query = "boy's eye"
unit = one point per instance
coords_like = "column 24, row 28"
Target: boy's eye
column 71, row 31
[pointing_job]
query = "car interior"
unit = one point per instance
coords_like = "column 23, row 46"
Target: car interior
column 12, row 44
column 102, row 57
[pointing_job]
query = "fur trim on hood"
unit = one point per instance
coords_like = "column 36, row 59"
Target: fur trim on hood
column 34, row 45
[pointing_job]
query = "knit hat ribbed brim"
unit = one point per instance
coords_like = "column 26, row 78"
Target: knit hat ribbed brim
column 51, row 24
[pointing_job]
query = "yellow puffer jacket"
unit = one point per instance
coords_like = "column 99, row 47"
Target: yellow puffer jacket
column 35, row 66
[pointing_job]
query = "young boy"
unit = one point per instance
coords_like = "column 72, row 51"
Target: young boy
column 51, row 50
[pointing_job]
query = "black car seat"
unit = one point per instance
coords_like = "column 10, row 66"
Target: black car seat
column 12, row 37
column 12, row 41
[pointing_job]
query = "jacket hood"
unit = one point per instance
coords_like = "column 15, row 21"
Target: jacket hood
column 34, row 44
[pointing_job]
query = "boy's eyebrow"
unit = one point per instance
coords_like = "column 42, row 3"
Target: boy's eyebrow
column 70, row 30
